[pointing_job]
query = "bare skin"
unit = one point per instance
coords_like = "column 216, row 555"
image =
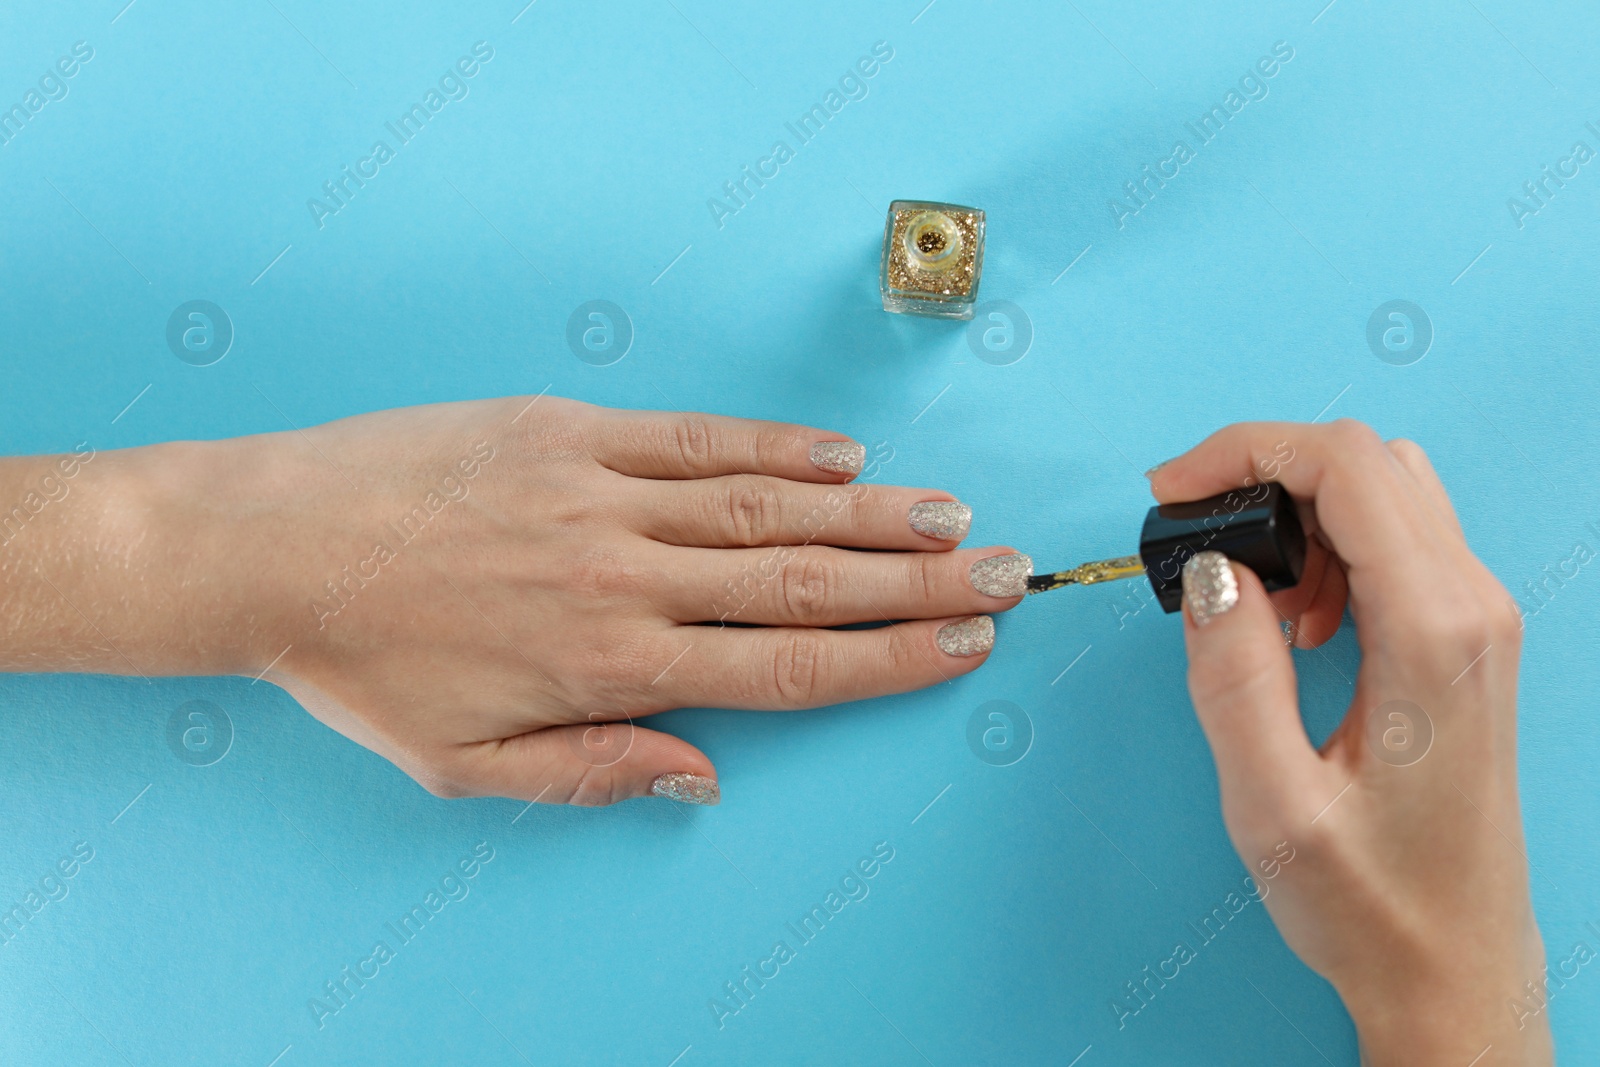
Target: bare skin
column 1408, row 890
column 551, row 572
column 557, row 579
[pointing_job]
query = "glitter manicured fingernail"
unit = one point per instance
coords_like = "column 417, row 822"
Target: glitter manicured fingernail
column 1209, row 586
column 943, row 520
column 839, row 457
column 1002, row 575
column 687, row 788
column 969, row 637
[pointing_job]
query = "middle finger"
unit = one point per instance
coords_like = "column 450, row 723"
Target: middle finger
column 753, row 510
column 811, row 585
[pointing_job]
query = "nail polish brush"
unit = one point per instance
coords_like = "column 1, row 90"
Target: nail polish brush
column 1257, row 527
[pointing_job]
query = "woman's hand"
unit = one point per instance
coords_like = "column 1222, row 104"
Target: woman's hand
column 1408, row 883
column 489, row 593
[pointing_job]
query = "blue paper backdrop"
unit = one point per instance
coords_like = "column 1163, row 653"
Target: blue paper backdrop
column 1376, row 163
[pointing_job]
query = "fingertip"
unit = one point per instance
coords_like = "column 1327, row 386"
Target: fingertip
column 1001, row 574
column 667, row 767
column 946, row 521
column 1226, row 610
column 970, row 639
column 687, row 788
column 937, row 520
column 1325, row 614
column 1211, row 587
column 842, row 458
column 1167, row 480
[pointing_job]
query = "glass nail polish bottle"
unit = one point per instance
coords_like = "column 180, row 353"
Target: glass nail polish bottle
column 932, row 259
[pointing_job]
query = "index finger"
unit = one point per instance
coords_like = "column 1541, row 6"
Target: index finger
column 1369, row 515
column 683, row 444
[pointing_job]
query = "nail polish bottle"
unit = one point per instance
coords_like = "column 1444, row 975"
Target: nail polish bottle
column 1257, row 526
column 932, row 259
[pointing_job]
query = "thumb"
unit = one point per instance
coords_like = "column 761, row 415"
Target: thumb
column 595, row 764
column 1242, row 682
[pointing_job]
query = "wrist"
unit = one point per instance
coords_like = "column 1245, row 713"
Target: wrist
column 1454, row 1013
column 190, row 573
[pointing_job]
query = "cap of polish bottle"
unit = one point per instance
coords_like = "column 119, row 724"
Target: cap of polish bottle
column 1256, row 526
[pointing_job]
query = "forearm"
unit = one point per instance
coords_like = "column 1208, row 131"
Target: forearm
column 1471, row 1010
column 1444, row 1039
column 108, row 561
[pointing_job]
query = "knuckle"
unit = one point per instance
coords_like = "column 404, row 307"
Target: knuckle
column 616, row 663
column 926, row 574
column 846, row 504
column 774, row 445
column 695, row 440
column 754, row 513
column 797, row 669
column 602, row 570
column 806, row 588
column 1469, row 631
column 1457, row 632
column 1506, row 625
column 1353, row 437
column 573, row 509
column 901, row 656
column 868, row 505
column 595, row 787
column 1407, row 450
column 565, row 431
column 1502, row 617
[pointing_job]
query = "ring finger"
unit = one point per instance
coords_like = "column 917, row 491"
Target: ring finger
column 781, row 668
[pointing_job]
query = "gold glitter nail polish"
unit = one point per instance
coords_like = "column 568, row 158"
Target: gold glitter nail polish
column 969, row 637
column 838, row 457
column 1209, row 586
column 932, row 259
column 687, row 788
column 942, row 520
column 1001, row 576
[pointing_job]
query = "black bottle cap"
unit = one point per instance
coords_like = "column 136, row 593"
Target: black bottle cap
column 1257, row 527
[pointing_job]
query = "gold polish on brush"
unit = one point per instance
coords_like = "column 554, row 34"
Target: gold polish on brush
column 1103, row 570
column 1257, row 526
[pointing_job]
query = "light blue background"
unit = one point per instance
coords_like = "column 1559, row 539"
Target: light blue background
column 1019, row 902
